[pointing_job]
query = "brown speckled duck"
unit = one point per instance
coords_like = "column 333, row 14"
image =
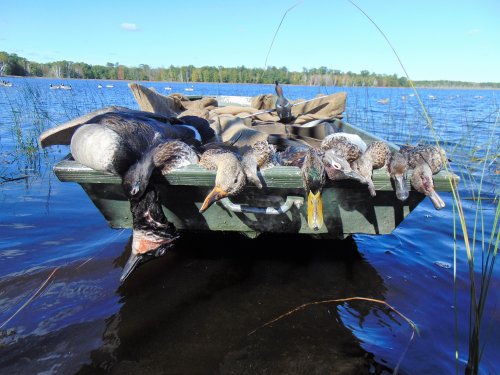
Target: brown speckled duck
column 425, row 160
column 397, row 166
column 349, row 146
column 432, row 155
column 421, row 180
column 375, row 157
column 230, row 178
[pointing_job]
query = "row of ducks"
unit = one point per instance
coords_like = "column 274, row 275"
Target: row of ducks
column 140, row 146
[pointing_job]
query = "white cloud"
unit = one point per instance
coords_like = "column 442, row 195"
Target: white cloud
column 129, row 26
column 473, row 31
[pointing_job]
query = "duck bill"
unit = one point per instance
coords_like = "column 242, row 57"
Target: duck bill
column 401, row 187
column 216, row 194
column 132, row 263
column 144, row 249
column 314, row 211
column 436, row 200
column 352, row 175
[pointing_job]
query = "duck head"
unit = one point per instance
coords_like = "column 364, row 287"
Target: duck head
column 230, row 177
column 397, row 167
column 421, row 180
column 364, row 167
column 337, row 168
column 152, row 235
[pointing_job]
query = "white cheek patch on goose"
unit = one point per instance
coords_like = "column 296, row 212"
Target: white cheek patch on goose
column 197, row 135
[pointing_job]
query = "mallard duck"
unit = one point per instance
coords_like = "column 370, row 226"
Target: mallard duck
column 313, row 177
column 397, row 167
column 230, row 178
column 375, row 157
column 283, row 106
column 152, row 234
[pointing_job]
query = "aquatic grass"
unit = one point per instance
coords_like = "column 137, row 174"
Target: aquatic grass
column 479, row 297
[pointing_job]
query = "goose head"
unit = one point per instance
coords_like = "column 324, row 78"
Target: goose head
column 152, row 235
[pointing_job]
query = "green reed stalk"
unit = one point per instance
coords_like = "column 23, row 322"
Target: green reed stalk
column 477, row 304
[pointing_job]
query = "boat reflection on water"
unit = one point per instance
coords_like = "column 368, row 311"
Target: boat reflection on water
column 193, row 311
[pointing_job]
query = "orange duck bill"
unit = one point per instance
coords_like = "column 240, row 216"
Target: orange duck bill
column 216, row 194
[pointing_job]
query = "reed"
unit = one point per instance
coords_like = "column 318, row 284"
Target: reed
column 473, row 233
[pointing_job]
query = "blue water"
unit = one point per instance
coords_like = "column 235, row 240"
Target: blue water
column 192, row 311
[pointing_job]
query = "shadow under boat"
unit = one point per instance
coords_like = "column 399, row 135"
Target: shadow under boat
column 193, row 310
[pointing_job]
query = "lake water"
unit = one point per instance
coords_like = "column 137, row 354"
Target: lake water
column 194, row 310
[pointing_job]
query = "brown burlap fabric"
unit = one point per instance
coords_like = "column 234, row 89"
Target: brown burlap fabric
column 238, row 124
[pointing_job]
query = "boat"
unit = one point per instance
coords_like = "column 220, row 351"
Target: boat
column 277, row 208
column 5, row 84
column 190, row 88
column 110, row 86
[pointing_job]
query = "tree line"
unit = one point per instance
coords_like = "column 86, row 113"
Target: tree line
column 12, row 64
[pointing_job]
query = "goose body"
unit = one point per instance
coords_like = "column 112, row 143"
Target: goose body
column 117, row 141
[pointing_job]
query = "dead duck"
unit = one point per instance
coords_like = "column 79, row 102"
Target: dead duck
column 375, row 157
column 425, row 160
column 397, row 166
column 313, row 178
column 152, row 233
column 283, row 106
column 230, row 178
column 421, row 180
column 434, row 156
column 342, row 146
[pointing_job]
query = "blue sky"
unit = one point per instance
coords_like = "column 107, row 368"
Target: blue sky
column 438, row 39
